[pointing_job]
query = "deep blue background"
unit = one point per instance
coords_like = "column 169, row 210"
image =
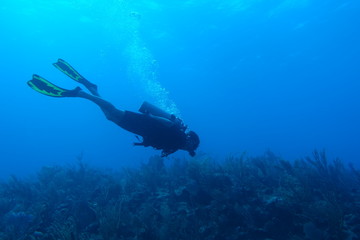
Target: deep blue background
column 248, row 76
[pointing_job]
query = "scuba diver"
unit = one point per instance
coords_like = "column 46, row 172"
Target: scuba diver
column 158, row 129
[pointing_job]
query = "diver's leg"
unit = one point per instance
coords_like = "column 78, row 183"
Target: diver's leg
column 71, row 72
column 91, row 87
column 112, row 113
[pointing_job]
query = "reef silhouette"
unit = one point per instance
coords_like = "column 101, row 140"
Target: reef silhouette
column 241, row 197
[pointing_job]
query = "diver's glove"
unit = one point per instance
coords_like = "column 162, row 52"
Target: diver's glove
column 165, row 153
column 141, row 142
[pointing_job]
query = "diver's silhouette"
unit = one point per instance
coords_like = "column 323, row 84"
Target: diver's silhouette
column 158, row 129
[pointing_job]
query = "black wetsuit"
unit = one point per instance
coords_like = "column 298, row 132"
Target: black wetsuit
column 154, row 132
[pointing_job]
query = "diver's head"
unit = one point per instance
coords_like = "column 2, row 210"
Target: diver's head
column 192, row 142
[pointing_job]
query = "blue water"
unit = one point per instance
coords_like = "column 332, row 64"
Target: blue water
column 247, row 76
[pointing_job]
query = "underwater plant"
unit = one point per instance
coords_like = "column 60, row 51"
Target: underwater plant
column 263, row 197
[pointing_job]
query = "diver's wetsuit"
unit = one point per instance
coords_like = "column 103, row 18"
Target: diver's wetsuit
column 163, row 134
column 154, row 132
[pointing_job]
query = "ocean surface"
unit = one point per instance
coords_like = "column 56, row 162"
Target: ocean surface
column 247, row 75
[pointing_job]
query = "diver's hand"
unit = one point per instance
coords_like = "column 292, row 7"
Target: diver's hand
column 166, row 153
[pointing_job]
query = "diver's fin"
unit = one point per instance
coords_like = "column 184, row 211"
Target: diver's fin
column 47, row 88
column 67, row 69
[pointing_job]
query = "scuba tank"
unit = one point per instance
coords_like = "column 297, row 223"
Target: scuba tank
column 153, row 110
column 148, row 108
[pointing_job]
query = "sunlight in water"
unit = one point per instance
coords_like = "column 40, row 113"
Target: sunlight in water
column 116, row 17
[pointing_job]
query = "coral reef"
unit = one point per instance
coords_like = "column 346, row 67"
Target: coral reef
column 240, row 198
